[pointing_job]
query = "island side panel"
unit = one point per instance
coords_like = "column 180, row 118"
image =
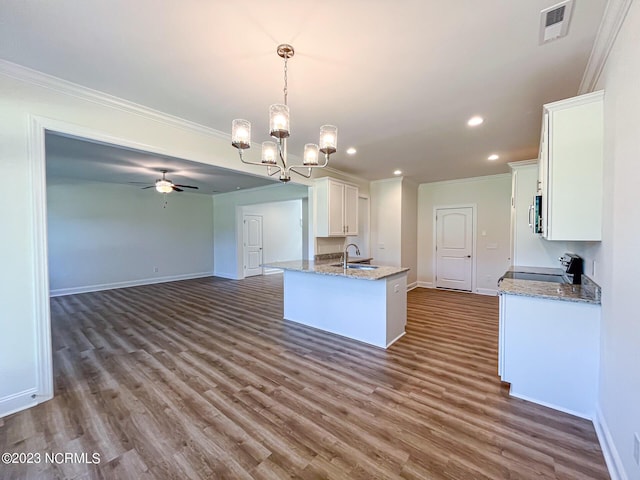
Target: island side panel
column 349, row 307
column 396, row 307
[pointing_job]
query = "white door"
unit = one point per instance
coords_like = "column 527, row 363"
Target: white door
column 252, row 245
column 454, row 246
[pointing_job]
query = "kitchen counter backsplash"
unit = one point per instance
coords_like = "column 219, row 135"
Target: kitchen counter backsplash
column 588, row 292
column 592, row 287
column 327, row 256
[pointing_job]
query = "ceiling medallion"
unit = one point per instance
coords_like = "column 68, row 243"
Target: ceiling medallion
column 272, row 152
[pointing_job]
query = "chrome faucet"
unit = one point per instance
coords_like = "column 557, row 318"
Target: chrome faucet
column 346, row 254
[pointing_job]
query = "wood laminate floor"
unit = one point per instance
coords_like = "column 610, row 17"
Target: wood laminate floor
column 203, row 379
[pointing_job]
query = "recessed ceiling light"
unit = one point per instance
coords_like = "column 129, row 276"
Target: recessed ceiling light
column 475, row 121
column 397, row 172
column 492, row 157
column 351, row 151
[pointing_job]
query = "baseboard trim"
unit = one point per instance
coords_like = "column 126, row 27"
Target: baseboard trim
column 132, row 283
column 395, row 339
column 18, row 401
column 609, row 451
column 411, row 286
column 425, row 284
column 550, row 405
column 228, row 276
column 487, row 291
column 271, row 271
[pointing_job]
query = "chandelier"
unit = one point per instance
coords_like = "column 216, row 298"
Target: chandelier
column 272, row 152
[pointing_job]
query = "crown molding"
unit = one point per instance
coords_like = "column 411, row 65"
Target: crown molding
column 466, row 180
column 43, row 80
column 522, row 163
column 387, row 180
column 345, row 175
column 612, row 20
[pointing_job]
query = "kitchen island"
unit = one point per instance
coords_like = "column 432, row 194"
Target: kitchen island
column 367, row 303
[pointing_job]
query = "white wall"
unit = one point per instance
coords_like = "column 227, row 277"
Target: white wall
column 363, row 239
column 107, row 236
column 618, row 257
column 393, row 224
column 409, row 253
column 282, row 229
column 492, row 197
column 227, row 222
column 386, row 221
column 531, row 249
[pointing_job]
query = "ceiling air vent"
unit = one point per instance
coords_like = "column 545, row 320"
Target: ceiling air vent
column 554, row 21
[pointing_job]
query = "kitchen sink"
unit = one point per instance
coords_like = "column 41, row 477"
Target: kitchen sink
column 356, row 266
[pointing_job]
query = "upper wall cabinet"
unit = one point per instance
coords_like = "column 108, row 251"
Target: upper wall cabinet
column 336, row 208
column 570, row 166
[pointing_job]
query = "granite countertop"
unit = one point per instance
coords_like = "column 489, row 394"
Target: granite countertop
column 327, row 267
column 588, row 292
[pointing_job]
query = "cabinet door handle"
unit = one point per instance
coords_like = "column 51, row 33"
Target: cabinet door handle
column 530, row 220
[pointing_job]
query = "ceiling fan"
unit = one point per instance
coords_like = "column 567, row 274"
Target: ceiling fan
column 164, row 185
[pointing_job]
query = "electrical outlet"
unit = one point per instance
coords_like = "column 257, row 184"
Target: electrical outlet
column 636, row 448
column 155, row 269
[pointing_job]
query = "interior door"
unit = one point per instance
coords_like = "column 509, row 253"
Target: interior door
column 454, row 247
column 252, row 245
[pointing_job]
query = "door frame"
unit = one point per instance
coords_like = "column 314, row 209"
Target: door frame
column 474, row 228
column 38, row 127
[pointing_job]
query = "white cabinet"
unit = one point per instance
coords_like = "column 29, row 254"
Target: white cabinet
column 570, row 167
column 549, row 351
column 336, row 208
column 351, row 209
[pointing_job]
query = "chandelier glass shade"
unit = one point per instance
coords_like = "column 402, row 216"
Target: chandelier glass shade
column 274, row 153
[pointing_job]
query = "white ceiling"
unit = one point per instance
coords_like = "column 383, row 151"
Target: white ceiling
column 399, row 79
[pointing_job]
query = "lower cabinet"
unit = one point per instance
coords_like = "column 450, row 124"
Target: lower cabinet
column 549, row 351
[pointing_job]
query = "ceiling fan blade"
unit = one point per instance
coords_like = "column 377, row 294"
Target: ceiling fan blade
column 176, row 189
column 185, row 186
column 150, row 186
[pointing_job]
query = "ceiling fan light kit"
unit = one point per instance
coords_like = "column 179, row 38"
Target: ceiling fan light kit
column 279, row 129
column 164, row 185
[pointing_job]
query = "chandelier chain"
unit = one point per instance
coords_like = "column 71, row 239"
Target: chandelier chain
column 285, row 80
